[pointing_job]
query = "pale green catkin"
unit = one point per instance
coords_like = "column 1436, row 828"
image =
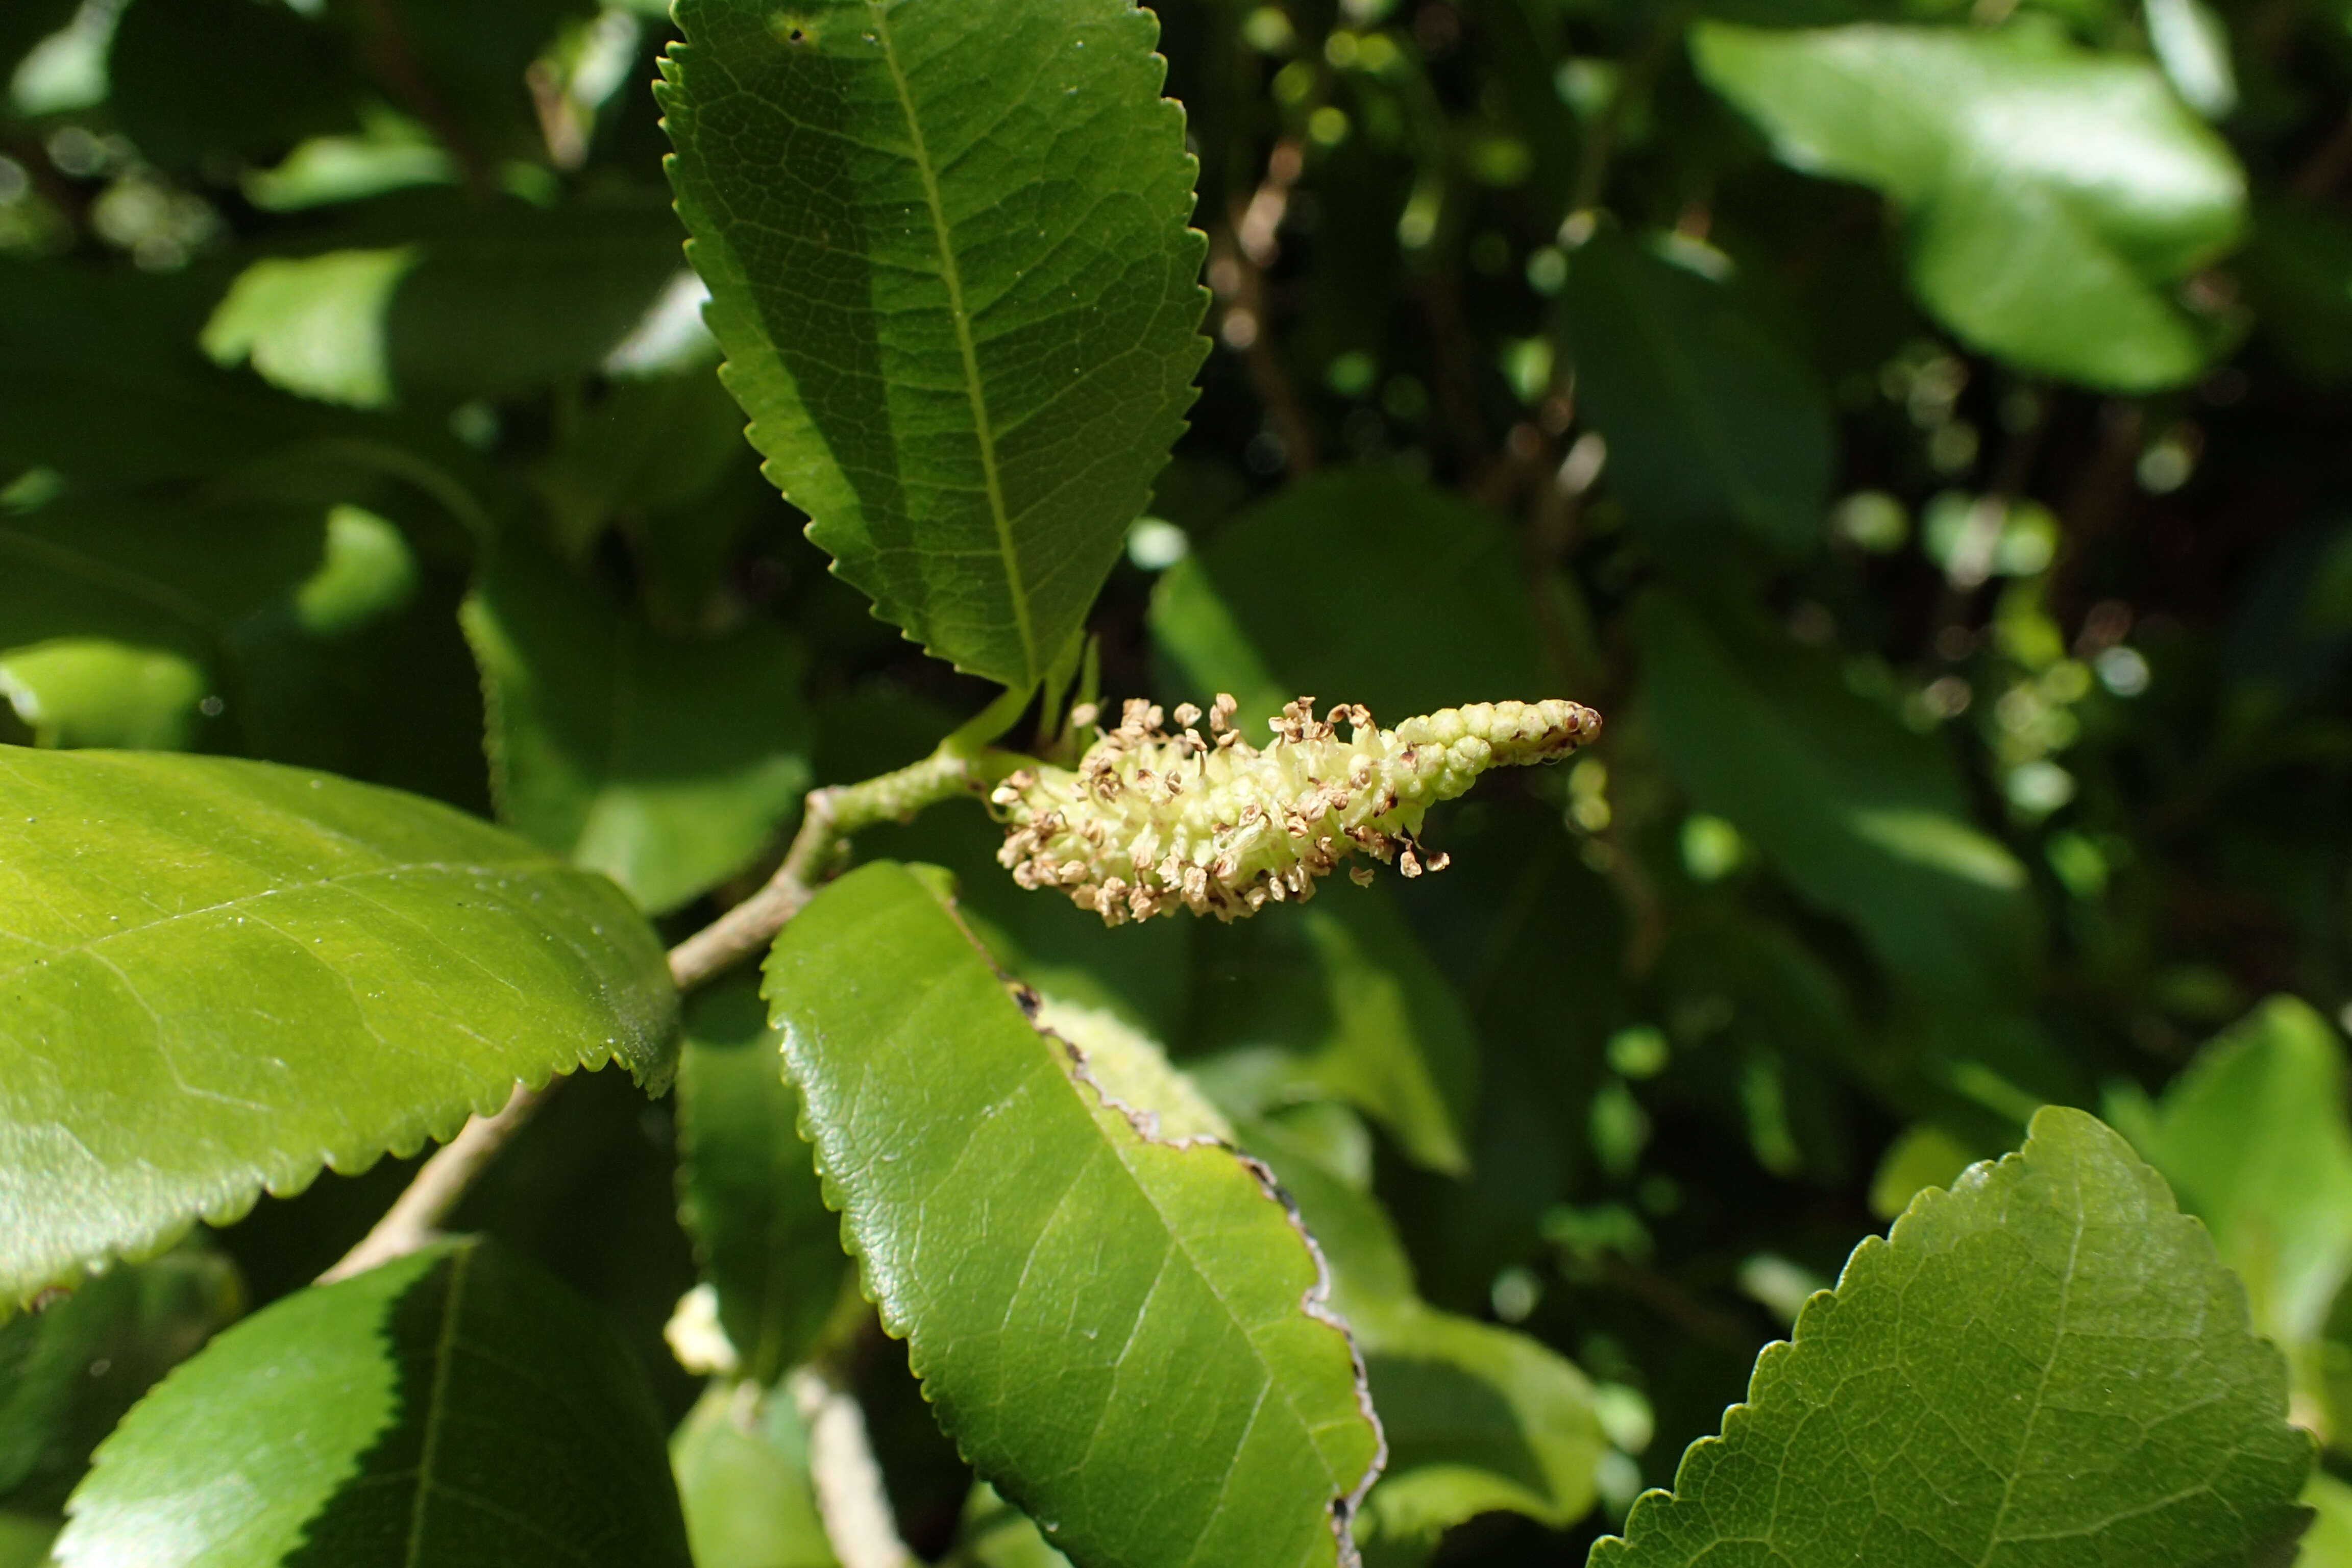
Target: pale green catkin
column 1149, row 821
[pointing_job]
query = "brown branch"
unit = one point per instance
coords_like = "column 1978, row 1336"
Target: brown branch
column 830, row 815
column 416, row 1215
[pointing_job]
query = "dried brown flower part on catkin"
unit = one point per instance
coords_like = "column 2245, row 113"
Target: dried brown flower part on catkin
column 1151, row 820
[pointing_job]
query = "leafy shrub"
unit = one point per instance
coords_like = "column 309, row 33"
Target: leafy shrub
column 1879, row 469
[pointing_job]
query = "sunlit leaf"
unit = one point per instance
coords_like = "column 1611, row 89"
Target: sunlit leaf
column 1116, row 1332
column 217, row 976
column 120, row 617
column 2046, row 1363
column 2254, row 1137
column 464, row 307
column 948, row 260
column 2056, row 198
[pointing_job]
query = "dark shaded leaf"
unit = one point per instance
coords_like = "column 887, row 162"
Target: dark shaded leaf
column 455, row 1406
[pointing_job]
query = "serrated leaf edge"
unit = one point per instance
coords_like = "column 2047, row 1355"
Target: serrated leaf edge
column 669, row 65
column 1924, row 1202
column 1313, row 1303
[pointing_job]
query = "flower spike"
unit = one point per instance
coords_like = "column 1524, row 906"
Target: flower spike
column 1151, row 820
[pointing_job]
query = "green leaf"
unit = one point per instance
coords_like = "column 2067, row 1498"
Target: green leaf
column 2253, row 1137
column 462, row 307
column 1342, row 999
column 456, row 1406
column 1362, row 586
column 949, row 261
column 1708, row 416
column 2055, row 198
column 69, row 1372
column 1119, row 1333
column 742, row 1461
column 178, row 117
column 119, row 615
column 1924, row 1155
column 2298, row 272
column 218, row 976
column 2045, row 1365
column 25, row 1539
column 995, row 1534
column 1478, row 1418
column 2328, row 1543
column 666, row 763
column 1864, row 818
column 650, row 444
column 107, row 388
column 26, row 24
column 90, row 692
column 748, row 1192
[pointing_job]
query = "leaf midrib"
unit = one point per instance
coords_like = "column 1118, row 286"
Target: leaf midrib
column 951, row 275
column 1994, row 1540
column 444, row 1353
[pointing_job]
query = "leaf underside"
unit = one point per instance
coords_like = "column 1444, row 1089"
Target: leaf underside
column 1119, row 1333
column 949, row 264
column 2046, row 1366
column 217, row 976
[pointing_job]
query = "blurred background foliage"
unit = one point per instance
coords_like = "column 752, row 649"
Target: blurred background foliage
column 1919, row 427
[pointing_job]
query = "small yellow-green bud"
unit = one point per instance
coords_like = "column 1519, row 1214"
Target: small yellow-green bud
column 1149, row 821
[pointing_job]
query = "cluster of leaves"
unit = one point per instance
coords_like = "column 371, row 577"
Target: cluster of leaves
column 1916, row 427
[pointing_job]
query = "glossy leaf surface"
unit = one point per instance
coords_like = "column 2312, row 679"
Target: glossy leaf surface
column 950, row 265
column 2046, row 1363
column 456, row 1406
column 1116, row 1332
column 217, row 976
column 2057, row 198
column 748, row 1191
column 666, row 762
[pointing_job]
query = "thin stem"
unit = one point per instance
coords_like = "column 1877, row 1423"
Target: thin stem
column 851, row 1498
column 415, row 1216
column 830, row 817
